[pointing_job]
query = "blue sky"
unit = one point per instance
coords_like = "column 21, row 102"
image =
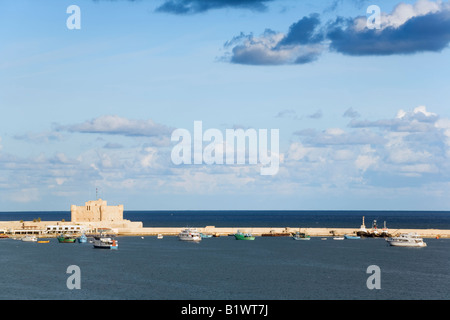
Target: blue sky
column 363, row 114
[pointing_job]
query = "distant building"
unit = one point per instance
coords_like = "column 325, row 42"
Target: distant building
column 96, row 211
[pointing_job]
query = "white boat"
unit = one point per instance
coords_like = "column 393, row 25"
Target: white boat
column 105, row 243
column 190, row 235
column 338, row 238
column 406, row 240
column 29, row 239
column 160, row 236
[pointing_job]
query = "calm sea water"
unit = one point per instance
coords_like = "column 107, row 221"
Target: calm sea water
column 318, row 219
column 268, row 268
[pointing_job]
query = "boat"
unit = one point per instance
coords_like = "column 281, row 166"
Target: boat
column 203, row 235
column 43, row 241
column 82, row 238
column 374, row 232
column 406, row 240
column 301, row 236
column 346, row 236
column 29, row 239
column 243, row 236
column 160, row 236
column 362, row 230
column 338, row 238
column 105, row 243
column 190, row 235
column 64, row 238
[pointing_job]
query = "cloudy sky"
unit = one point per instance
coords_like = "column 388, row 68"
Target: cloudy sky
column 363, row 113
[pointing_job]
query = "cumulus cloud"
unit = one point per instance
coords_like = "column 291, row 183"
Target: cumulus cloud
column 112, row 124
column 198, row 6
column 418, row 120
column 302, row 44
column 410, row 148
column 410, row 28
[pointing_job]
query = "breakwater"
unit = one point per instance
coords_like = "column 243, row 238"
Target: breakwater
column 129, row 228
column 313, row 232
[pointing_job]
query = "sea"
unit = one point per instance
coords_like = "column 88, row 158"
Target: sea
column 224, row 269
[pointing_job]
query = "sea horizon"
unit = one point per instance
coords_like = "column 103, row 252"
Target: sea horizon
column 404, row 219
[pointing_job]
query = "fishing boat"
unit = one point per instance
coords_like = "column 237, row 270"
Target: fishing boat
column 346, row 236
column 204, row 236
column 65, row 238
column 29, row 239
column 243, row 236
column 301, row 236
column 407, row 240
column 82, row 238
column 190, row 235
column 105, row 243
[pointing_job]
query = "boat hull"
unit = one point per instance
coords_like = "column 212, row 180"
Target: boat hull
column 407, row 244
column 191, row 235
column 407, row 240
column 29, row 239
column 243, row 237
column 66, row 240
column 106, row 244
column 193, row 238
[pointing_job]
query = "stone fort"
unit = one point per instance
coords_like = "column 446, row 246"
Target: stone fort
column 96, row 211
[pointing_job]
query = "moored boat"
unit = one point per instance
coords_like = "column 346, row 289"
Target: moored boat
column 338, row 238
column 190, row 234
column 82, row 238
column 29, row 239
column 65, row 238
column 346, row 236
column 105, row 243
column 407, row 240
column 301, row 236
column 203, row 235
column 243, row 236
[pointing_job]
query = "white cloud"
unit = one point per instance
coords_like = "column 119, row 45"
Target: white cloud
column 402, row 13
column 113, row 124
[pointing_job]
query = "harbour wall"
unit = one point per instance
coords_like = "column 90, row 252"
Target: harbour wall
column 313, row 232
column 130, row 228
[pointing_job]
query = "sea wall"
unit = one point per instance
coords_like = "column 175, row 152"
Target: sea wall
column 135, row 228
column 314, row 232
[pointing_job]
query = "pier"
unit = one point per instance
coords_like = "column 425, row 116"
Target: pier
column 287, row 231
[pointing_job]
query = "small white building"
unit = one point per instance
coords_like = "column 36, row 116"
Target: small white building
column 66, row 229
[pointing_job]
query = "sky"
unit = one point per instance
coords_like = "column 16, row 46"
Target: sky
column 360, row 99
